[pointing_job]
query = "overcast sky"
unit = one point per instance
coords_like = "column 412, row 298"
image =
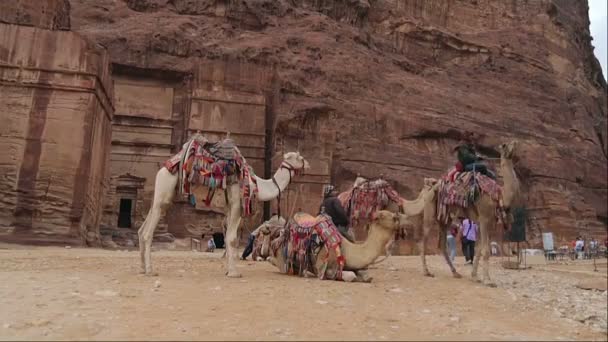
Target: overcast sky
column 599, row 27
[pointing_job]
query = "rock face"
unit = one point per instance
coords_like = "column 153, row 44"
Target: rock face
column 46, row 14
column 56, row 105
column 389, row 86
column 362, row 86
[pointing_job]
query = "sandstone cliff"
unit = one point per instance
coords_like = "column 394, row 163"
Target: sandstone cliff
column 388, row 86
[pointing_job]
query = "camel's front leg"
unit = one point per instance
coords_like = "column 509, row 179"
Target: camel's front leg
column 233, row 217
column 146, row 234
column 422, row 246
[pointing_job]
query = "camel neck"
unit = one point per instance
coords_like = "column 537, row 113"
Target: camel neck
column 268, row 189
column 361, row 255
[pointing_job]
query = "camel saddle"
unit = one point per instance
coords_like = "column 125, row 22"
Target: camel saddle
column 304, row 238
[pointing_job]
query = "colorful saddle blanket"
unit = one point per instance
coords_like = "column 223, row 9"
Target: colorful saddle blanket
column 363, row 200
column 301, row 245
column 213, row 165
column 464, row 190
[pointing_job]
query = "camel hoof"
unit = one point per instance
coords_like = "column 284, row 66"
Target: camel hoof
column 429, row 274
column 490, row 284
column 233, row 275
column 457, row 275
column 151, row 274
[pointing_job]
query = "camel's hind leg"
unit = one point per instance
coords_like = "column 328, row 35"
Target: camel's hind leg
column 443, row 248
column 233, row 217
column 487, row 225
column 164, row 188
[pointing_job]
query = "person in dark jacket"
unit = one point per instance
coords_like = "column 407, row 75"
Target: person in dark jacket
column 331, row 206
column 470, row 160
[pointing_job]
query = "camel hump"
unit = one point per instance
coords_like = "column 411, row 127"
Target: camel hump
column 307, row 220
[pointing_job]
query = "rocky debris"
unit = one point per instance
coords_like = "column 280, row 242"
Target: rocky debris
column 157, row 284
column 559, row 296
column 596, row 284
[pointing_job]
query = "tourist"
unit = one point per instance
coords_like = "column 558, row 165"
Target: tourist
column 210, row 245
column 579, row 246
column 469, row 160
column 275, row 220
column 469, row 237
column 494, row 248
column 451, row 241
column 331, row 206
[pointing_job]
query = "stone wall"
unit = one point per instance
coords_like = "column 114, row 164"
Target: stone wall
column 56, row 106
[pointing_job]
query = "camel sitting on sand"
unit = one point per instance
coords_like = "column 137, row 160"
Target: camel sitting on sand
column 326, row 262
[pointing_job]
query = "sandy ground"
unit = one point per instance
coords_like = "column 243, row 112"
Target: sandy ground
column 54, row 293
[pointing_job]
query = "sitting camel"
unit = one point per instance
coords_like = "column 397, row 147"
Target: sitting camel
column 354, row 256
column 483, row 210
column 164, row 189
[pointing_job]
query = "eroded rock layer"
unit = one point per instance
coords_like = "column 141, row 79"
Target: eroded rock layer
column 383, row 86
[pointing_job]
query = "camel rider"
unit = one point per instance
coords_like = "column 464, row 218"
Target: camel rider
column 331, row 206
column 469, row 160
column 275, row 220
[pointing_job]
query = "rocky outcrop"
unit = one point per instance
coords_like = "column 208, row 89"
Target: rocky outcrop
column 46, row 14
column 389, row 86
column 56, row 105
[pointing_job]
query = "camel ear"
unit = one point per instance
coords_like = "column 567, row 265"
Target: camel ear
column 430, row 181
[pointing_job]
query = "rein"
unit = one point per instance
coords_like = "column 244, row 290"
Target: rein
column 284, row 165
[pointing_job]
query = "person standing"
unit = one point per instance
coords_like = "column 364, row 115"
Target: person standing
column 451, row 242
column 469, row 237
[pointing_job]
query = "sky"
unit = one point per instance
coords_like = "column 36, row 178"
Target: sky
column 599, row 27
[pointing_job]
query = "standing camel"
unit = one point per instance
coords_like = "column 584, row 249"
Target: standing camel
column 164, row 189
column 483, row 210
column 414, row 210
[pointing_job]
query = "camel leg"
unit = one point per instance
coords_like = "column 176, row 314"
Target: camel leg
column 361, row 276
column 164, row 188
column 484, row 232
column 233, row 216
column 422, row 246
column 444, row 251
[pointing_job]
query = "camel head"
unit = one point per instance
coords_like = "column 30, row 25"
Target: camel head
column 429, row 183
column 507, row 150
column 360, row 180
column 388, row 220
column 295, row 161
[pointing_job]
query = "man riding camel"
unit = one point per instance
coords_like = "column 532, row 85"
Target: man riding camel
column 331, row 206
column 469, row 160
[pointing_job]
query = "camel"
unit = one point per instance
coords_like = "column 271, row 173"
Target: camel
column 482, row 211
column 413, row 210
column 164, row 189
column 358, row 256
